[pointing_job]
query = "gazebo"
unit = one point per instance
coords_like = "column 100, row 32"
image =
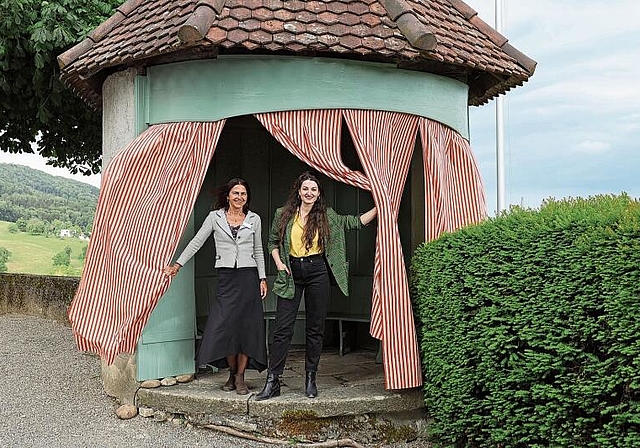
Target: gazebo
column 374, row 94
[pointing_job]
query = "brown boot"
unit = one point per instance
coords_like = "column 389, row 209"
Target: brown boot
column 231, row 382
column 241, row 386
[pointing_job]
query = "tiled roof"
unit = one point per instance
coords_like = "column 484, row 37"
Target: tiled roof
column 438, row 36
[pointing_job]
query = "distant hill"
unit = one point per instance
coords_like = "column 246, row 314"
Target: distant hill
column 27, row 193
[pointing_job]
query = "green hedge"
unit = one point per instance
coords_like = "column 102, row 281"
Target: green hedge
column 529, row 327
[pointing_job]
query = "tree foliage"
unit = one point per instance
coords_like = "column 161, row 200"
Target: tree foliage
column 35, row 107
column 4, row 257
column 40, row 203
column 62, row 258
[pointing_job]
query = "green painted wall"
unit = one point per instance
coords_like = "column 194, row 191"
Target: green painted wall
column 209, row 90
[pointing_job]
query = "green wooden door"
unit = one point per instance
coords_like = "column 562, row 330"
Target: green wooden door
column 166, row 347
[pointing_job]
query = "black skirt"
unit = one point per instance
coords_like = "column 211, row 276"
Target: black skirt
column 236, row 322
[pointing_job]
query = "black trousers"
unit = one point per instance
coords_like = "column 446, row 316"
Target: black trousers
column 311, row 278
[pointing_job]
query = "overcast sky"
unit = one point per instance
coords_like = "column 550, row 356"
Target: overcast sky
column 574, row 128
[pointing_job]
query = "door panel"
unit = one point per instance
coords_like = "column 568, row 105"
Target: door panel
column 166, row 346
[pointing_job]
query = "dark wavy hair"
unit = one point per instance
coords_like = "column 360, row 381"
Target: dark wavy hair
column 222, row 194
column 317, row 221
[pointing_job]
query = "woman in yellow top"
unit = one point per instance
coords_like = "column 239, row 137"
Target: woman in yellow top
column 306, row 240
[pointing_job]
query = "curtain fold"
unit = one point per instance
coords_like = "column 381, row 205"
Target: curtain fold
column 313, row 136
column 146, row 197
column 385, row 142
column 454, row 192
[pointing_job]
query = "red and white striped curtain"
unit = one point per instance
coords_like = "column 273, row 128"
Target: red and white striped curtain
column 384, row 142
column 454, row 192
column 149, row 188
column 313, row 136
column 147, row 195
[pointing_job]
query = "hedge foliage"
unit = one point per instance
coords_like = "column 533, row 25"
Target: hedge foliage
column 529, row 327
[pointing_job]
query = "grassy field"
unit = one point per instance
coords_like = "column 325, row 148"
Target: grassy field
column 32, row 254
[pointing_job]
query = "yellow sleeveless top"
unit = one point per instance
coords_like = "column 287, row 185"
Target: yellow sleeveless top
column 297, row 248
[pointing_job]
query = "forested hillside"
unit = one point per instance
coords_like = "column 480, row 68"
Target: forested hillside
column 28, row 195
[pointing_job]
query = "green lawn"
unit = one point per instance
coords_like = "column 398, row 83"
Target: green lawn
column 32, row 254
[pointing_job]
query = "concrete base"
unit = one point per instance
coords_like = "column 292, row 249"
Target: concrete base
column 119, row 378
column 351, row 403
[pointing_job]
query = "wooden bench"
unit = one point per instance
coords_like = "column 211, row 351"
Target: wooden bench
column 271, row 316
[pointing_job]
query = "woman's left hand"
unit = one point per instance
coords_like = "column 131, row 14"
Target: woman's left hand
column 264, row 289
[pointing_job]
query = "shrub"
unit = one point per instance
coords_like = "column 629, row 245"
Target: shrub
column 529, row 327
column 4, row 257
column 62, row 258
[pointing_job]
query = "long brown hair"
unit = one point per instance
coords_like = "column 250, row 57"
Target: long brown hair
column 317, row 221
column 222, row 194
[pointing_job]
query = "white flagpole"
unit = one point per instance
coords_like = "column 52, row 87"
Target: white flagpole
column 500, row 127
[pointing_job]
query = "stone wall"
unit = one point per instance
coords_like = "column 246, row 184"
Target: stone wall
column 38, row 295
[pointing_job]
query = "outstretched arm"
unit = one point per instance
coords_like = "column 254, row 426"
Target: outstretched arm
column 369, row 216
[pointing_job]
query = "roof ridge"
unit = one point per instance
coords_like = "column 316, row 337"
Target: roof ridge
column 416, row 32
column 199, row 22
column 122, row 12
column 471, row 15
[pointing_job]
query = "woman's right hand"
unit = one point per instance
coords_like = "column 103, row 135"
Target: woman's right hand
column 283, row 267
column 171, row 270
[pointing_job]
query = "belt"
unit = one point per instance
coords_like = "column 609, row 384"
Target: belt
column 309, row 259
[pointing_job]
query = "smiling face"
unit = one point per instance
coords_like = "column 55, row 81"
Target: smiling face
column 309, row 192
column 237, row 197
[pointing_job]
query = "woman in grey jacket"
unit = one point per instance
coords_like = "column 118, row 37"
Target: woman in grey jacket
column 234, row 335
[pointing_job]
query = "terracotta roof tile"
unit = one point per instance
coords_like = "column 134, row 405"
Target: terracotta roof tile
column 284, row 38
column 373, row 42
column 329, row 39
column 358, row 8
column 237, row 36
column 262, row 14
column 249, row 25
column 273, row 26
column 250, row 45
column 217, row 35
column 261, row 37
column 371, row 20
column 227, row 23
column 273, row 46
column 351, row 41
column 296, row 47
column 316, row 6
column 337, row 7
column 428, row 32
column 284, row 15
column 349, row 19
column 240, row 13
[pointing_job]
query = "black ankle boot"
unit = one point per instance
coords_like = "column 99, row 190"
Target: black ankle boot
column 310, row 388
column 271, row 388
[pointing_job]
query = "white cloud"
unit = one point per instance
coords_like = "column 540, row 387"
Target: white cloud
column 593, row 147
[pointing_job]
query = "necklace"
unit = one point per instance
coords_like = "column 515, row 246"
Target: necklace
column 235, row 219
column 302, row 219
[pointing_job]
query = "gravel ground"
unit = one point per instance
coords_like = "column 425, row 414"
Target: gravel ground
column 51, row 396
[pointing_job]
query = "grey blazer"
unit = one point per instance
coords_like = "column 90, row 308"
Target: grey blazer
column 243, row 251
